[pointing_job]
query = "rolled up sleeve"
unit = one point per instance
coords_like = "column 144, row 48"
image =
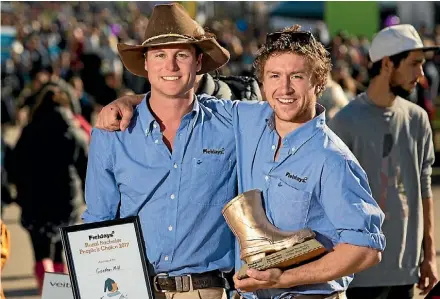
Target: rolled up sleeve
column 427, row 159
column 347, row 201
column 101, row 191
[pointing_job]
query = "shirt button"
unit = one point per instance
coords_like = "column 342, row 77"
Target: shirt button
column 154, row 126
column 293, row 149
column 266, row 178
column 170, row 228
column 175, row 165
column 273, row 147
column 156, row 141
column 166, row 258
column 172, row 196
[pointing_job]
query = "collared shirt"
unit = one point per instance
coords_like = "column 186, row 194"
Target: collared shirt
column 178, row 196
column 316, row 182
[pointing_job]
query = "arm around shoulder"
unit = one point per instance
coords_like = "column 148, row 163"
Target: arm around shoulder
column 117, row 115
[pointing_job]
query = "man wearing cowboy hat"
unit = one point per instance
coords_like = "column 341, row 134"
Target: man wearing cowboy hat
column 170, row 167
column 307, row 176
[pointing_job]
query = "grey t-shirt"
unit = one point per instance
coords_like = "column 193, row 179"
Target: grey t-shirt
column 394, row 146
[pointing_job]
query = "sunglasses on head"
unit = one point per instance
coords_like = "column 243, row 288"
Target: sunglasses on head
column 295, row 36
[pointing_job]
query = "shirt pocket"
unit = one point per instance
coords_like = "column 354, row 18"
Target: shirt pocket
column 211, row 180
column 288, row 206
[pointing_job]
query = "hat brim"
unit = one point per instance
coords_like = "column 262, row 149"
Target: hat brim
column 432, row 48
column 424, row 49
column 214, row 55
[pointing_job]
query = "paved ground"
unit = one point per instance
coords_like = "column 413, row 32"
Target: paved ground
column 17, row 278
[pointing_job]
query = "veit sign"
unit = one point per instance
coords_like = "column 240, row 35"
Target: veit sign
column 56, row 286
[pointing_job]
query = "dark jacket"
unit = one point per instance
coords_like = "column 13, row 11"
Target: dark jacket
column 230, row 87
column 50, row 161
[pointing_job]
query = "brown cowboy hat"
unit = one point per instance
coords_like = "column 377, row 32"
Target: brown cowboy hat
column 171, row 24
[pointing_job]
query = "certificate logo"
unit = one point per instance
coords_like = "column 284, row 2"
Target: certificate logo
column 112, row 290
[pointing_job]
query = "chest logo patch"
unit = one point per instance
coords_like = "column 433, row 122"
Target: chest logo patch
column 296, row 178
column 214, row 151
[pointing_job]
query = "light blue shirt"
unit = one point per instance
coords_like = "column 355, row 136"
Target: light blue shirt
column 316, row 182
column 178, row 196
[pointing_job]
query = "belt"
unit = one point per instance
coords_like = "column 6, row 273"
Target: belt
column 189, row 282
column 337, row 295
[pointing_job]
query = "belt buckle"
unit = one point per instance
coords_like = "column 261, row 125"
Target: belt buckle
column 224, row 276
column 156, row 284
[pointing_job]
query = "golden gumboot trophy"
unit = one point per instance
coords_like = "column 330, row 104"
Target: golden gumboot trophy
column 262, row 245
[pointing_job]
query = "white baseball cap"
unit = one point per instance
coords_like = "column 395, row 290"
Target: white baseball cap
column 394, row 40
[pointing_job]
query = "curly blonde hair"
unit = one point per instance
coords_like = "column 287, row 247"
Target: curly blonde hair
column 318, row 58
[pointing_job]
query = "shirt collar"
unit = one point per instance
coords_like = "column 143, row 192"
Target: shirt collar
column 298, row 137
column 147, row 119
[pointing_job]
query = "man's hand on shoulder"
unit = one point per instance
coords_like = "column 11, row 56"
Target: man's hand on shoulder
column 117, row 115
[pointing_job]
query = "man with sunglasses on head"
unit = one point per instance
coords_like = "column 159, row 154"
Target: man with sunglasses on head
column 308, row 177
column 392, row 139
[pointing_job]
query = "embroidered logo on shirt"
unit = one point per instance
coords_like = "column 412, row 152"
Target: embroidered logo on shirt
column 297, row 178
column 214, row 151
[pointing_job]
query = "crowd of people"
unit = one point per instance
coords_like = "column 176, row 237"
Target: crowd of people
column 76, row 44
column 63, row 67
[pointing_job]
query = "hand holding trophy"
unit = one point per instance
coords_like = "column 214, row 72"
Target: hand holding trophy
column 262, row 245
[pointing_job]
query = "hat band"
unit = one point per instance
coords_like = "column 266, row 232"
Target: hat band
column 167, row 35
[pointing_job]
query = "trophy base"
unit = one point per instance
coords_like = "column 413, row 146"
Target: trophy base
column 285, row 258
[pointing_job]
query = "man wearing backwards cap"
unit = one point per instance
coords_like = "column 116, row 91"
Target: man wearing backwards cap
column 391, row 137
column 170, row 167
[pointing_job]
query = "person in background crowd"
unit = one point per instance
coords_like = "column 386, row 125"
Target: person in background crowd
column 332, row 99
column 392, row 139
column 5, row 247
column 48, row 166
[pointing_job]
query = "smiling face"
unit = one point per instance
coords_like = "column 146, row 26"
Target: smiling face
column 172, row 69
column 288, row 87
column 293, row 68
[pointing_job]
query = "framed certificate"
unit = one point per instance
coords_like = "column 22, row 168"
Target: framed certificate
column 107, row 260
